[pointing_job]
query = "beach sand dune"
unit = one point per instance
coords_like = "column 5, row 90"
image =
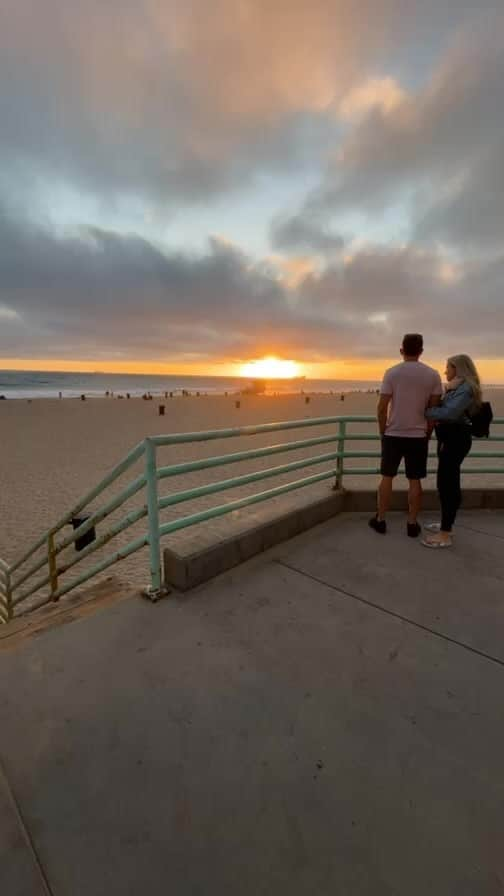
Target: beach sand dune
column 52, row 452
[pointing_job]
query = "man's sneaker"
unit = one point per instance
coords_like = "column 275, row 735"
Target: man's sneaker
column 432, row 527
column 379, row 526
column 413, row 530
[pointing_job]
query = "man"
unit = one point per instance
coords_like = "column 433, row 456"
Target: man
column 407, row 390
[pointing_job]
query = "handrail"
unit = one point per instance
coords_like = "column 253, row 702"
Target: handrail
column 11, row 593
column 236, row 481
column 204, row 515
column 130, row 459
column 193, row 465
column 206, row 436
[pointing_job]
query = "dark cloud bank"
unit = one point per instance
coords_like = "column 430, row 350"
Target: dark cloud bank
column 101, row 294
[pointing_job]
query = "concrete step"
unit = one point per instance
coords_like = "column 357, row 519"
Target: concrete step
column 74, row 606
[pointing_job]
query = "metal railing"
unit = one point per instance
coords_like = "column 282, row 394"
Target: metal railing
column 15, row 575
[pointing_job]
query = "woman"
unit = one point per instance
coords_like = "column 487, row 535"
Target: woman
column 453, row 431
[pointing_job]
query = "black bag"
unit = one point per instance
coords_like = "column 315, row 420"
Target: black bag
column 481, row 420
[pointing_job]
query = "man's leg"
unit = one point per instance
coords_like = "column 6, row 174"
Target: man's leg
column 384, row 496
column 415, row 493
column 415, row 458
column 390, row 460
column 391, row 456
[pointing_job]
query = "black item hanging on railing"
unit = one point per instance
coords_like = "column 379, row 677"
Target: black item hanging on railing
column 88, row 537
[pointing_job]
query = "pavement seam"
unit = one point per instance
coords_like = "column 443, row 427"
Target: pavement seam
column 375, row 606
column 480, row 531
column 26, row 833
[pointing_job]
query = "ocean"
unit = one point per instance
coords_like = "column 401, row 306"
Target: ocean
column 38, row 384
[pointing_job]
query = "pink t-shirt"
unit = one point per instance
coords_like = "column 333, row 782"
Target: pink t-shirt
column 410, row 384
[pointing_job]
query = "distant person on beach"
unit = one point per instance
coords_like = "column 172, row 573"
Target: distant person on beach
column 407, row 390
column 452, row 422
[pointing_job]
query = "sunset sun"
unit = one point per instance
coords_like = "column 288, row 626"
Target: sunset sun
column 271, row 368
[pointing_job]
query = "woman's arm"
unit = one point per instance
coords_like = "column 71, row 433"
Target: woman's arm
column 454, row 407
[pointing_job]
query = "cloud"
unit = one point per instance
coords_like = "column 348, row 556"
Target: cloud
column 171, row 105
column 384, row 94
column 470, row 215
column 103, row 295
column 378, row 294
column 439, row 150
column 174, row 102
column 300, row 233
column 104, row 292
column 293, row 270
column 184, row 100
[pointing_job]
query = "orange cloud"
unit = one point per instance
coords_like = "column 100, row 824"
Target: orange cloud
column 377, row 93
column 203, row 75
column 294, row 270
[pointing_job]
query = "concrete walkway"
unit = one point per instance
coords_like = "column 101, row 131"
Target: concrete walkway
column 326, row 719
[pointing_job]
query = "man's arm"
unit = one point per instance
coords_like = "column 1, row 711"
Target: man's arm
column 433, row 402
column 382, row 411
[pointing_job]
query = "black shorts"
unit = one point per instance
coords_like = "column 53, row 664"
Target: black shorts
column 414, row 451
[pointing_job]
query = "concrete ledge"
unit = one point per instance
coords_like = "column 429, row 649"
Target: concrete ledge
column 186, row 570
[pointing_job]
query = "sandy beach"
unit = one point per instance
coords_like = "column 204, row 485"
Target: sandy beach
column 52, row 452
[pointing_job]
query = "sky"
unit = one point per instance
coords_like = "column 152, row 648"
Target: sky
column 186, row 186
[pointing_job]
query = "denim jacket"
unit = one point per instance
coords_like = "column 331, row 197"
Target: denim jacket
column 454, row 407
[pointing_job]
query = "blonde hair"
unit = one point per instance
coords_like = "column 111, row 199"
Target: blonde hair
column 465, row 368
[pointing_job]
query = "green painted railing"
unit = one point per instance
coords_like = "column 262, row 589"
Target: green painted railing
column 20, row 584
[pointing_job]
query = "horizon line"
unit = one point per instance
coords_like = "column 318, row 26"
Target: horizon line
column 221, row 376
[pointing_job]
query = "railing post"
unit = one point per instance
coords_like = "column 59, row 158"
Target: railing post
column 9, row 610
column 51, row 559
column 338, row 484
column 156, row 590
